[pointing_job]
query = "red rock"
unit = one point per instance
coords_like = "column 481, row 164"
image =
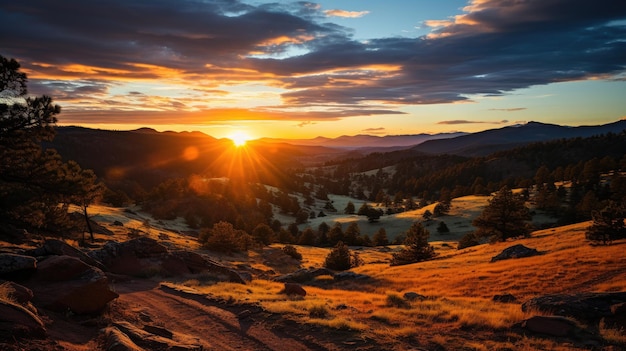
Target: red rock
column 293, row 289
column 66, row 283
column 550, row 325
column 17, row 321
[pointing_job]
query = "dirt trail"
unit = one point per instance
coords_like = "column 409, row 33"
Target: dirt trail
column 215, row 325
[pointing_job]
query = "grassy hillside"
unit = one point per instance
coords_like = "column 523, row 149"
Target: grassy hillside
column 459, row 285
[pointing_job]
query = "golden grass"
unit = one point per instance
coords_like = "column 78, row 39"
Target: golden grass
column 459, row 286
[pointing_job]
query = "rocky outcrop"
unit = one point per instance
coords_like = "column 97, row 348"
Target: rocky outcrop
column 11, row 264
column 149, row 341
column 197, row 263
column 516, row 251
column 588, row 308
column 551, row 325
column 61, row 248
column 147, row 257
column 349, row 275
column 18, row 322
column 140, row 257
column 115, row 340
column 304, row 275
column 64, row 283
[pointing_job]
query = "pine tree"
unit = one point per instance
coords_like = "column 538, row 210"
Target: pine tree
column 505, row 217
column 380, row 238
column 349, row 208
column 608, row 224
column 416, row 247
column 36, row 186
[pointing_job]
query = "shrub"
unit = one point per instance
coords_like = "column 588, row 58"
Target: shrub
column 395, row 300
column 319, row 311
column 416, row 247
column 290, row 250
column 443, row 228
column 340, row 258
column 468, row 240
column 223, row 237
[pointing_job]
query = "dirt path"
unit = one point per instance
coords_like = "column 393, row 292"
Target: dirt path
column 215, row 325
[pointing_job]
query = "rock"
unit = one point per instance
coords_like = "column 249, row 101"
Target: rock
column 156, row 330
column 504, row 298
column 550, row 325
column 151, row 341
column 304, row 275
column 588, row 308
column 61, row 248
column 348, row 275
column 17, row 292
column 16, row 264
column 137, row 257
column 115, row 340
column 413, row 296
column 64, row 283
column 197, row 263
column 18, row 322
column 516, row 251
column 293, row 289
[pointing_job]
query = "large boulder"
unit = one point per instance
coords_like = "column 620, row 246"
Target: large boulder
column 17, row 321
column 64, row 283
column 61, row 248
column 588, row 308
column 14, row 264
column 550, row 325
column 137, row 257
column 515, row 251
column 293, row 289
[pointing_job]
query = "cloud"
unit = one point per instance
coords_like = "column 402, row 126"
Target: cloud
column 465, row 121
column 305, row 123
column 513, row 109
column 379, row 130
column 86, row 49
column 345, row 14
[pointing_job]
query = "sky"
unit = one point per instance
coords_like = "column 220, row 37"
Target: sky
column 295, row 69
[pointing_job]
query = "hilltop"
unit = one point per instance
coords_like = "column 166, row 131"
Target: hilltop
column 454, row 309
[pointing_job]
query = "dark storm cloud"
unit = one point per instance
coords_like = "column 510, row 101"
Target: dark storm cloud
column 494, row 48
column 499, row 46
column 112, row 34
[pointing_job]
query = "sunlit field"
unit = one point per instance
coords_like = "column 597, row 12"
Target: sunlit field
column 458, row 288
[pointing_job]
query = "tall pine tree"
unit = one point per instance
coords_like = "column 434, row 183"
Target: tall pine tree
column 505, row 217
column 36, row 186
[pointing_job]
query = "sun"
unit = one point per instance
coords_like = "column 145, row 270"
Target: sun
column 239, row 138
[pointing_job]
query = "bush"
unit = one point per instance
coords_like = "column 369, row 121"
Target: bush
column 222, row 237
column 394, row 300
column 319, row 311
column 340, row 258
column 290, row 250
column 416, row 247
column 443, row 228
column 468, row 240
